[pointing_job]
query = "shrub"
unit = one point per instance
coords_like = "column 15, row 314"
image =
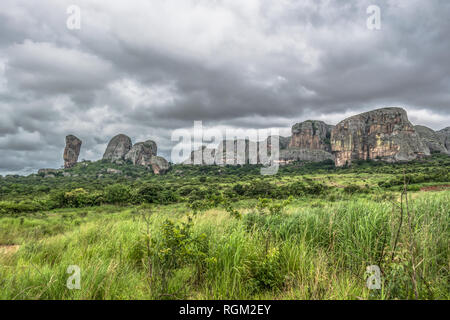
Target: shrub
column 151, row 193
column 117, row 194
column 267, row 273
column 352, row 188
column 176, row 247
column 9, row 207
column 77, row 198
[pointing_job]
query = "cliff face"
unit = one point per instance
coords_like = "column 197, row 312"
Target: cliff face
column 311, row 135
column 444, row 136
column 384, row 134
column 310, row 141
column 243, row 151
column 431, row 139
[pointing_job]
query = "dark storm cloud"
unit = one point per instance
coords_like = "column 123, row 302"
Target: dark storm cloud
column 145, row 68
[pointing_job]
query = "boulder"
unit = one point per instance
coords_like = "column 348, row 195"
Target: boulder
column 141, row 153
column 431, row 139
column 71, row 151
column 384, row 134
column 113, row 171
column 117, row 148
column 159, row 165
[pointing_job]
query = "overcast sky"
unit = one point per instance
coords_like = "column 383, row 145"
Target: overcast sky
column 145, row 68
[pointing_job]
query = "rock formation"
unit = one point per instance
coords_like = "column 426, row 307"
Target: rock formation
column 444, row 135
column 141, row 153
column 121, row 149
column 71, row 151
column 244, row 152
column 431, row 139
column 159, row 165
column 117, row 148
column 384, row 134
column 203, row 155
column 310, row 141
column 311, row 135
column 283, row 142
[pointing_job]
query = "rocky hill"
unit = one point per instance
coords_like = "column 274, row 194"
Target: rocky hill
column 444, row 135
column 311, row 135
column 432, row 139
column 382, row 134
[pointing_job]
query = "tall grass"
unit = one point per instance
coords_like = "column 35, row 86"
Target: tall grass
column 307, row 252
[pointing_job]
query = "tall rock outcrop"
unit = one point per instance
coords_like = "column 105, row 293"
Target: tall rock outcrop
column 384, row 134
column 306, row 146
column 444, row 135
column 310, row 141
column 283, row 142
column 431, row 139
column 141, row 153
column 311, row 135
column 203, row 156
column 117, row 148
column 244, row 151
column 71, row 151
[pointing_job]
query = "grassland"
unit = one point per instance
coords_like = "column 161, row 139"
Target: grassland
column 227, row 233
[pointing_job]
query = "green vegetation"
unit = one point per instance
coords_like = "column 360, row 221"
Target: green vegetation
column 209, row 232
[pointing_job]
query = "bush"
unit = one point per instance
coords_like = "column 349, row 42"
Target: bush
column 267, row 273
column 9, row 207
column 77, row 198
column 352, row 188
column 175, row 247
column 152, row 193
column 117, row 194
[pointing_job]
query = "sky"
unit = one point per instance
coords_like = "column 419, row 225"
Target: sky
column 146, row 68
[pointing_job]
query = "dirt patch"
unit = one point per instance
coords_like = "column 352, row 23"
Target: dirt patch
column 436, row 188
column 9, row 249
